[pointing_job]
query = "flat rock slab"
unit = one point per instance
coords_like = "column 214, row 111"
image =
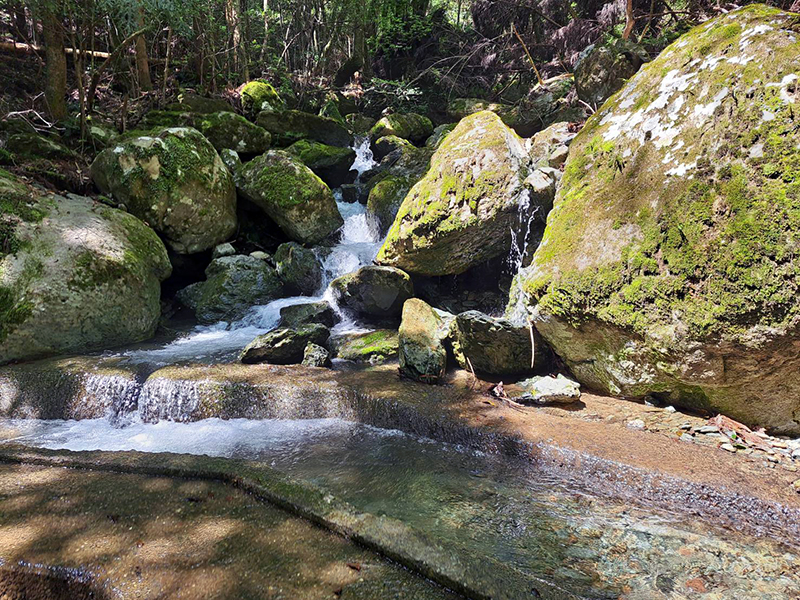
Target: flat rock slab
column 159, row 537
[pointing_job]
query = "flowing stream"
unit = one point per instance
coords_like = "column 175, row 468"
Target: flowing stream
column 482, row 504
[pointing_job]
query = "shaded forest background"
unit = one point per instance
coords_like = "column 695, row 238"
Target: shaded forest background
column 64, row 60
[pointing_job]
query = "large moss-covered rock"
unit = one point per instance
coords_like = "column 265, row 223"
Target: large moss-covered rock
column 290, row 126
column 297, row 315
column 463, row 212
column 603, row 69
column 374, row 291
column 422, row 336
column 259, row 95
column 227, row 130
column 292, row 195
column 176, row 182
column 74, row 275
column 668, row 264
column 409, row 126
column 233, row 285
column 373, row 347
column 284, row 346
column 299, row 269
column 331, row 163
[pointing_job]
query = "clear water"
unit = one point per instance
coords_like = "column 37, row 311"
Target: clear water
column 359, row 242
column 476, row 503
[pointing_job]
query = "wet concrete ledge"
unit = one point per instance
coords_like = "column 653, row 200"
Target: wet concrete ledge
column 478, row 577
column 605, row 459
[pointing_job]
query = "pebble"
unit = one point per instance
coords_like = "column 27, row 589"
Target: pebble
column 778, row 444
column 796, row 453
column 709, row 429
column 635, row 424
column 670, row 409
column 796, row 485
column 686, row 426
column 773, row 458
column 728, row 447
column 687, row 438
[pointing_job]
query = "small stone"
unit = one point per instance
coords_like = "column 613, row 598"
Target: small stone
column 685, row 426
column 791, row 468
column 708, row 429
column 635, row 424
column 260, row 255
column 796, row 454
column 778, row 444
column 316, row 356
column 223, row 250
column 687, row 438
column 773, row 458
column 728, row 447
column 796, row 485
column 558, row 157
column 550, row 390
column 670, row 409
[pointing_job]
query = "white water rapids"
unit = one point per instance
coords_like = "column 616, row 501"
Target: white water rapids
column 358, row 245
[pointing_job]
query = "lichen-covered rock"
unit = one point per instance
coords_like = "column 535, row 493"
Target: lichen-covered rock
column 374, row 347
column 550, row 147
column 463, row 212
column 298, row 315
column 374, row 291
column 292, row 195
column 316, row 356
column 497, row 346
column 667, row 266
column 175, row 182
column 299, row 269
column 233, row 285
column 290, row 126
column 548, row 390
column 74, row 275
column 234, row 132
column 284, row 346
column 331, row 163
column 409, row 126
column 259, row 95
column 603, row 69
column 389, row 143
column 422, row 336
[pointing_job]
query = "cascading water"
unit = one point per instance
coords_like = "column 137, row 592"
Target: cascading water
column 358, row 245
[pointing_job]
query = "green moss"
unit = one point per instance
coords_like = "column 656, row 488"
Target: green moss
column 318, row 155
column 259, row 95
column 376, row 346
column 13, row 311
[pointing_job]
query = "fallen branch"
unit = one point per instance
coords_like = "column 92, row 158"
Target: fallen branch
column 21, row 48
column 530, row 58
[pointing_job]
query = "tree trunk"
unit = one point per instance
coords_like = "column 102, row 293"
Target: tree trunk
column 236, row 47
column 629, row 20
column 265, row 44
column 142, row 62
column 55, row 90
column 20, row 22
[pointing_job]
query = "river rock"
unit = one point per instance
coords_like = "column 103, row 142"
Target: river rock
column 233, row 285
column 603, row 69
column 398, row 171
column 422, row 337
column 227, row 130
column 75, row 275
column 550, row 147
column 331, row 163
column 359, row 124
column 667, row 265
column 549, row 390
column 299, row 269
column 387, row 144
column 374, row 291
column 259, row 95
column 409, row 126
column 175, row 182
column 496, row 346
column 316, row 356
column 463, row 212
column 374, row 347
column 223, row 250
column 292, row 195
column 297, row 315
column 290, row 126
column 284, row 346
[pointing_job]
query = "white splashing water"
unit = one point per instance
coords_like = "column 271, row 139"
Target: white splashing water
column 358, row 245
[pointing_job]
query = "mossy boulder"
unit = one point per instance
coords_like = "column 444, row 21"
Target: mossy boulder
column 161, row 118
column 374, row 291
column 35, row 145
column 373, row 347
column 227, row 130
column 422, row 335
column 668, row 264
column 316, row 356
column 292, row 195
column 604, row 68
column 259, row 95
column 388, row 144
column 191, row 102
column 74, row 275
column 409, row 126
column 233, row 285
column 290, row 126
column 359, row 124
column 463, row 212
column 299, row 269
column 331, row 163
column 298, row 315
column 284, row 346
column 175, row 181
